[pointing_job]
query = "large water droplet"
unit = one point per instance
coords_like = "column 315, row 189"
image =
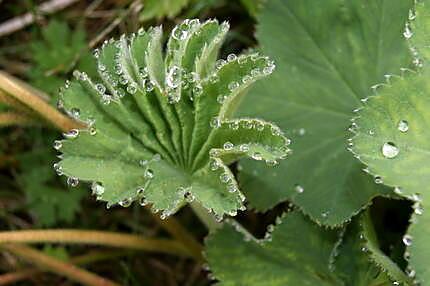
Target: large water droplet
column 231, row 57
column 215, row 122
column 390, row 150
column 403, row 126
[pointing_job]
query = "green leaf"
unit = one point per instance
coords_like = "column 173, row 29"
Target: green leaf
column 392, row 138
column 47, row 199
column 297, row 252
column 328, row 57
column 351, row 261
column 159, row 126
column 371, row 245
column 55, row 53
column 158, row 9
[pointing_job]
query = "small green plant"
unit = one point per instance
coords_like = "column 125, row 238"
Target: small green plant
column 160, row 128
column 164, row 124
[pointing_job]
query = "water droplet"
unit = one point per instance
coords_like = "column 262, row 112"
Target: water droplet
column 244, row 148
column 390, row 150
column 215, row 122
column 149, row 86
column 100, row 88
column 398, row 191
column 325, row 214
column 58, row 169
column 179, row 34
column 418, row 208
column 214, row 165
column 407, row 240
column 276, row 131
column 149, row 174
column 213, row 78
column 410, row 272
column 73, row 133
column 97, row 188
column 213, row 153
column 299, row 189
column 125, row 202
column 143, row 72
column 123, row 80
column 302, row 131
column 259, row 126
column 403, row 126
column 231, row 188
column 92, row 131
column 143, row 202
column 412, row 15
column 241, row 60
column 228, row 146
column 173, row 78
column 58, row 144
column 255, row 72
column 225, row 178
column 220, row 63
column 371, row 132
column 234, row 125
column 257, row 156
column 233, row 85
column 269, row 69
column 246, row 79
column 141, row 31
column 197, row 90
column 72, row 181
column 221, row 98
column 75, row 112
column 378, row 180
column 407, row 33
column 231, row 57
column 272, row 163
column 131, row 88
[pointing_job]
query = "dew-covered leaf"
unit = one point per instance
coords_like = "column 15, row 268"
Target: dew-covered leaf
column 393, row 140
column 352, row 263
column 158, row 131
column 295, row 251
column 328, row 56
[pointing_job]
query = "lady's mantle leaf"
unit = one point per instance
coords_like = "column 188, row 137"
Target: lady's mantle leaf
column 294, row 252
column 160, row 127
column 393, row 139
column 328, row 57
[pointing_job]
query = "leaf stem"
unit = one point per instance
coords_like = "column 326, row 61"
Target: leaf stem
column 22, row 274
column 34, row 99
column 56, row 266
column 206, row 218
column 95, row 237
column 14, row 118
column 173, row 227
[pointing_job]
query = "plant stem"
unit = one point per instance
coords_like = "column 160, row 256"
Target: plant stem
column 95, row 237
column 56, row 266
column 14, row 118
column 173, row 227
column 84, row 259
column 206, row 218
column 33, row 99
